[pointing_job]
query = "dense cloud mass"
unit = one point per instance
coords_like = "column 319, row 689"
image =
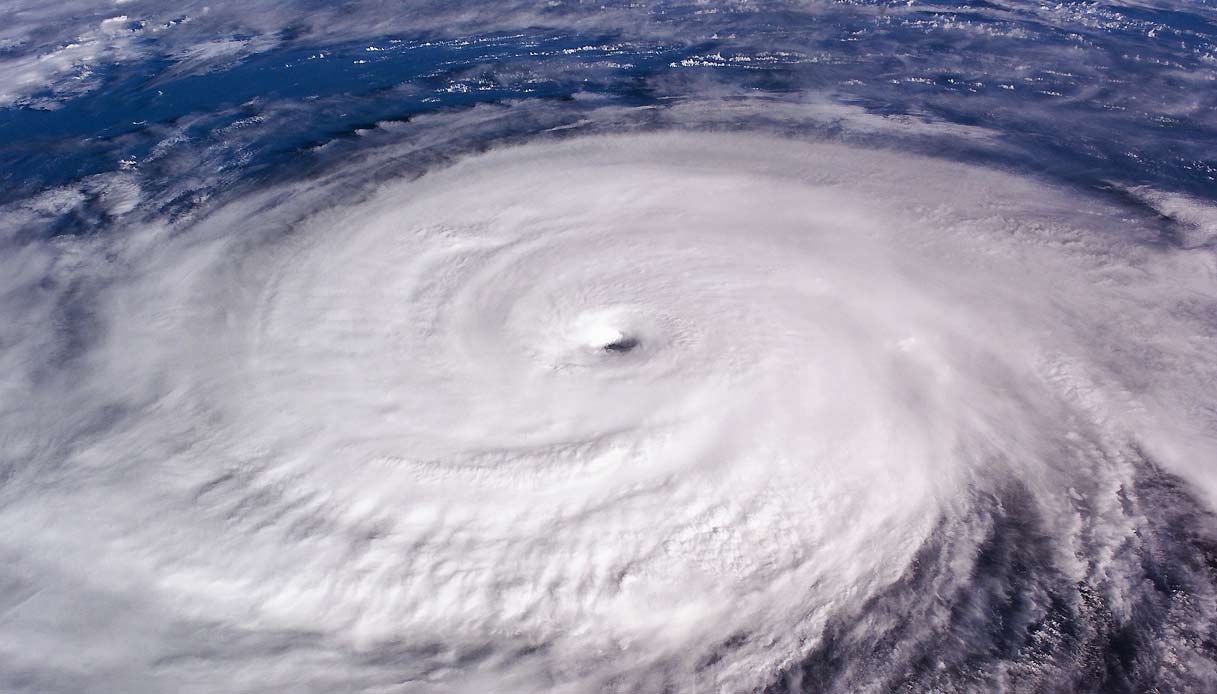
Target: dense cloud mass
column 734, row 347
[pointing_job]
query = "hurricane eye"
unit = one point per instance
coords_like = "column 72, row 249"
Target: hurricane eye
column 622, row 345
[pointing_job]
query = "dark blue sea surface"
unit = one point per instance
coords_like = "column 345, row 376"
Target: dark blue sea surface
column 1089, row 92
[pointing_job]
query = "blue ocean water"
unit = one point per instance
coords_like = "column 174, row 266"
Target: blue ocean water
column 1133, row 84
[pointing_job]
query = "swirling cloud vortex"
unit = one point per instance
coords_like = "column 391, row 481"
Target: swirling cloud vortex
column 626, row 412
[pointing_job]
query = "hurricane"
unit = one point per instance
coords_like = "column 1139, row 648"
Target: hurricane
column 673, row 347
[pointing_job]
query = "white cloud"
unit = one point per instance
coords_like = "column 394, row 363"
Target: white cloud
column 338, row 430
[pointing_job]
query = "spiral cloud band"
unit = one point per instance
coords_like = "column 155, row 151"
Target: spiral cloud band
column 692, row 411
